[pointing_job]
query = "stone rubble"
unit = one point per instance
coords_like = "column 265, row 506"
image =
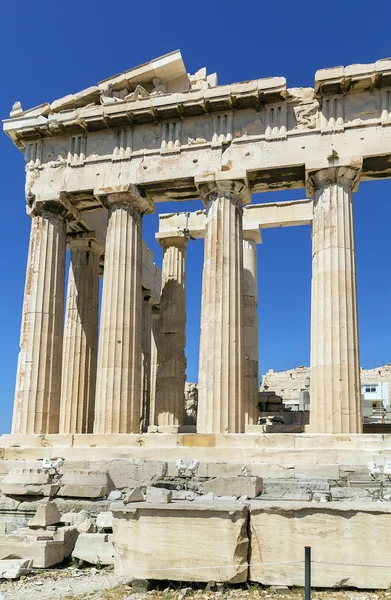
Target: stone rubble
column 13, row 568
column 95, row 548
column 134, row 495
column 158, row 495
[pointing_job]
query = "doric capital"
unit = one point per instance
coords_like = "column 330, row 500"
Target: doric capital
column 46, row 207
column 252, row 235
column 178, row 239
column 126, row 195
column 229, row 184
column 84, row 241
column 335, row 172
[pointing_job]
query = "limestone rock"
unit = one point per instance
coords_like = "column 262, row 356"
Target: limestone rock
column 94, row 548
column 158, row 495
column 104, row 520
column 84, row 484
column 180, row 538
column 47, row 514
column 14, row 568
column 234, row 486
column 135, row 495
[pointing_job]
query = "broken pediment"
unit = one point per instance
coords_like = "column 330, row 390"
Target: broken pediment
column 164, row 75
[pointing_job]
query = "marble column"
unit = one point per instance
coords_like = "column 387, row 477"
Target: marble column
column 118, row 389
column 170, row 378
column 80, row 336
column 155, row 330
column 38, row 383
column 250, row 318
column 146, row 326
column 335, row 363
column 221, row 383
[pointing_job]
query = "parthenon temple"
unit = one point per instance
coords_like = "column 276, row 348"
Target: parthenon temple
column 97, row 163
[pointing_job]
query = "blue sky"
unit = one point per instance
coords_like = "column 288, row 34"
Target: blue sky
column 49, row 49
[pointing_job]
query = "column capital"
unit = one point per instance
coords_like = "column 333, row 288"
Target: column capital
column 252, row 235
column 42, row 207
column 126, row 195
column 320, row 175
column 178, row 239
column 229, row 184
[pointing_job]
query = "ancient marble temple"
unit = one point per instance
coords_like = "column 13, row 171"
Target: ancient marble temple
column 98, row 161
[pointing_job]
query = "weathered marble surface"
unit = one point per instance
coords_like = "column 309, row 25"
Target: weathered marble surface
column 142, row 554
column 346, row 534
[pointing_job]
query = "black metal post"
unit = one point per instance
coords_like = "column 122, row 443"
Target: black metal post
column 307, row 573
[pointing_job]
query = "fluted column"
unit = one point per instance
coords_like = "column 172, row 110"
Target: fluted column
column 155, row 329
column 250, row 317
column 38, row 383
column 146, row 326
column 118, row 389
column 80, row 336
column 170, row 378
column 221, row 384
column 335, row 363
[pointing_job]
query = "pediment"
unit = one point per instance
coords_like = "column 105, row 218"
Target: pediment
column 164, row 75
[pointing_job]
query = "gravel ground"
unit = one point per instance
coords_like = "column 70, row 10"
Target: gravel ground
column 91, row 584
column 56, row 585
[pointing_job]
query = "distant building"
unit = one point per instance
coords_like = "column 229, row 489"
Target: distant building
column 293, row 386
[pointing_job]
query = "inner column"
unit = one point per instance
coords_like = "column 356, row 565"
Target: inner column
column 170, row 377
column 335, row 361
column 250, row 291
column 80, row 336
column 221, row 384
column 118, row 390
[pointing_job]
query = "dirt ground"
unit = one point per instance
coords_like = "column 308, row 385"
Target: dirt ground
column 93, row 584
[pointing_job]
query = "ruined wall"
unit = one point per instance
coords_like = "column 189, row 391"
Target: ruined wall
column 288, row 384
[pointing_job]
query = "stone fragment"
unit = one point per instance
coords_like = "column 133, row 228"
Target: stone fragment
column 158, row 495
column 321, row 497
column 74, row 518
column 177, row 541
column 68, row 535
column 13, row 568
column 47, row 514
column 281, row 590
column 81, row 520
column 43, row 552
column 234, row 486
column 114, row 495
column 28, row 482
column 104, row 520
column 352, row 535
column 87, row 526
column 94, row 548
column 183, row 495
column 140, row 586
column 84, row 484
column 135, row 495
column 125, row 473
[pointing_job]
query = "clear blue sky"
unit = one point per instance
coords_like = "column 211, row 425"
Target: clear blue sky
column 49, row 49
